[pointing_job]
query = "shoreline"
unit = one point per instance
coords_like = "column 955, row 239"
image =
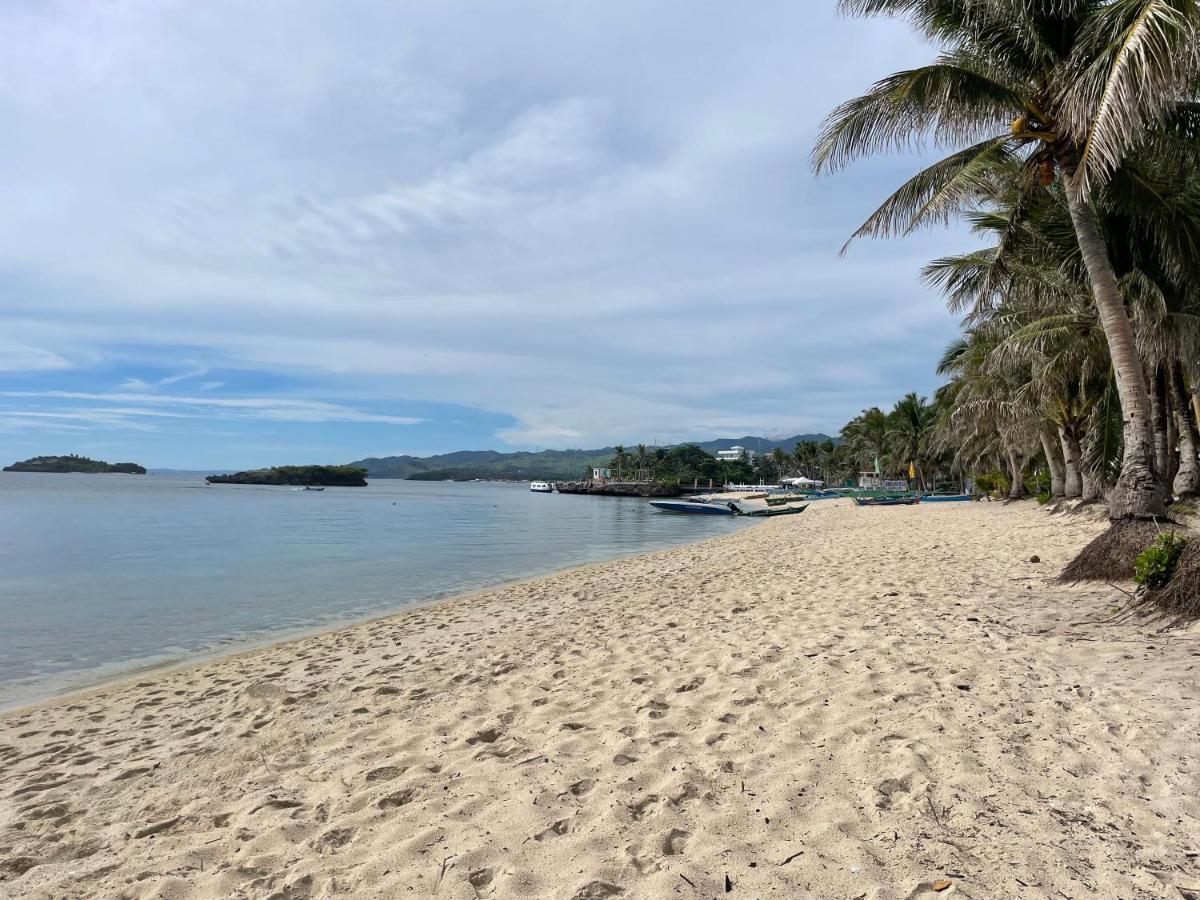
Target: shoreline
column 189, row 659
column 860, row 702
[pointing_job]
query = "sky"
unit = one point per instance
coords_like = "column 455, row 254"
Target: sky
column 240, row 234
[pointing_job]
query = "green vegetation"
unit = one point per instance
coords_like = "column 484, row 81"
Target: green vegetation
column 73, row 463
column 340, row 476
column 1154, row 566
column 550, row 465
column 1075, row 130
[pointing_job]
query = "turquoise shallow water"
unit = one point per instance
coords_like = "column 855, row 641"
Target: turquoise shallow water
column 104, row 574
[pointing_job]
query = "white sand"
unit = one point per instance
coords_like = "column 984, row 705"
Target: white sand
column 848, row 703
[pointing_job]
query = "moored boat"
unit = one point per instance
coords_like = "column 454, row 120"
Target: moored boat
column 946, row 498
column 887, row 501
column 696, row 507
column 541, row 487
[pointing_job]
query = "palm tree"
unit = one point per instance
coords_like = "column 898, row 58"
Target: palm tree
column 865, row 438
column 1073, row 88
column 780, row 456
column 908, row 434
column 642, row 456
column 620, row 457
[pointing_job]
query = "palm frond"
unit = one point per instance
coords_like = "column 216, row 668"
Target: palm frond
column 1135, row 60
column 939, row 191
column 954, row 100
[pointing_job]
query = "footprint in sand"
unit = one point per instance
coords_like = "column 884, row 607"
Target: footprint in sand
column 558, row 829
column 675, row 842
column 598, row 890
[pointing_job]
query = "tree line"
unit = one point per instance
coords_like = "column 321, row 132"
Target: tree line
column 1074, row 135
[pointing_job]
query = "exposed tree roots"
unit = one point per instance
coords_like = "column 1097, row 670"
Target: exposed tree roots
column 1110, row 556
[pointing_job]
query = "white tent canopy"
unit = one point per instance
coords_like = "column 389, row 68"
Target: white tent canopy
column 802, row 481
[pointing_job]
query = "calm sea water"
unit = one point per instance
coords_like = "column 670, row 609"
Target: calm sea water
column 104, row 574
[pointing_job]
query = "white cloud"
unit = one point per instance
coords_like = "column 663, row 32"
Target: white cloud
column 599, row 222
column 16, row 357
column 275, row 409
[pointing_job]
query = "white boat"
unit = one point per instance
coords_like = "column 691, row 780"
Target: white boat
column 541, row 487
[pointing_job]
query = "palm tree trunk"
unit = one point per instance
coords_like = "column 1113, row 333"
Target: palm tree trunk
column 1158, row 421
column 1072, row 453
column 1057, row 470
column 1017, row 485
column 1172, row 441
column 1137, row 493
column 1187, row 479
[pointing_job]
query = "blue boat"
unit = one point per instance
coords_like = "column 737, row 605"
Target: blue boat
column 695, row 507
column 946, row 498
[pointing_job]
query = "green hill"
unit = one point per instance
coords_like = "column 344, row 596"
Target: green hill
column 551, row 465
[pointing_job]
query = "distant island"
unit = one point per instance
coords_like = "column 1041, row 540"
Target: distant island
column 73, row 463
column 338, row 476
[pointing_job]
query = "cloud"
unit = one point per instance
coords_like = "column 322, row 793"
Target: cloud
column 16, row 357
column 598, row 226
column 272, row 409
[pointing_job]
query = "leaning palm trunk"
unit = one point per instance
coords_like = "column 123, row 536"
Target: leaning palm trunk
column 1055, row 464
column 1187, row 479
column 1072, row 454
column 1017, row 484
column 1138, row 494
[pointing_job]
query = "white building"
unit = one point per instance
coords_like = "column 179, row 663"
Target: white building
column 733, row 454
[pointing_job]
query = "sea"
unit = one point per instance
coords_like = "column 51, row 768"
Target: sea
column 106, row 575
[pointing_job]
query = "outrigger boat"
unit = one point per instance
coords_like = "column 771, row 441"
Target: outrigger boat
column 887, row 501
column 699, row 506
column 946, row 498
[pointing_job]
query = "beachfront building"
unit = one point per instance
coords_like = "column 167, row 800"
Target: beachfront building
column 600, row 473
column 734, row 454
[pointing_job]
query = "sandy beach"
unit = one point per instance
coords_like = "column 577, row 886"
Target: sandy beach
column 850, row 703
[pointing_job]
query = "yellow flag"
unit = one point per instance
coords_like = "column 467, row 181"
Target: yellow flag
column 912, row 470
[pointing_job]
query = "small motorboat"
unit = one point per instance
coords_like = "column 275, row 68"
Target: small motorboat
column 887, row 501
column 946, row 498
column 696, row 507
column 541, row 487
column 310, row 487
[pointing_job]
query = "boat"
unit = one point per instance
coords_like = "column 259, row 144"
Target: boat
column 946, row 498
column 313, row 488
column 696, row 507
column 770, row 510
column 887, row 501
column 541, row 487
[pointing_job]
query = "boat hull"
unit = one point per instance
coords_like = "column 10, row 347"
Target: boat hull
column 947, row 498
column 887, row 501
column 691, row 508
